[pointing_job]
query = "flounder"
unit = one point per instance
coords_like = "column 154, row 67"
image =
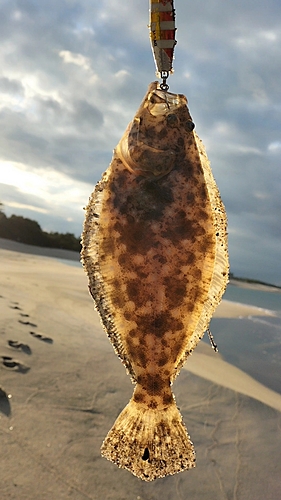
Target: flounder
column 155, row 251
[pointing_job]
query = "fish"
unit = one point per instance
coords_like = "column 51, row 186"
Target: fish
column 154, row 247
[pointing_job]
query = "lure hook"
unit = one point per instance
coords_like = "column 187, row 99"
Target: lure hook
column 162, row 36
column 164, row 86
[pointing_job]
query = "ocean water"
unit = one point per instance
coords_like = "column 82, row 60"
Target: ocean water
column 260, row 298
column 253, row 344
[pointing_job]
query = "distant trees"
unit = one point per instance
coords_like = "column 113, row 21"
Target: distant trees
column 23, row 230
column 63, row 240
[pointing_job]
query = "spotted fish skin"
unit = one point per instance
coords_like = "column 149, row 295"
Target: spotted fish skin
column 155, row 251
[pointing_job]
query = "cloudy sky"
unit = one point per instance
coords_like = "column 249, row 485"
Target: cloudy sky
column 73, row 72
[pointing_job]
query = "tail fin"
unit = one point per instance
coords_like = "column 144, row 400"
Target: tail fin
column 149, row 443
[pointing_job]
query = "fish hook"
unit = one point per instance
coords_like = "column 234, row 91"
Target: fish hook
column 212, row 340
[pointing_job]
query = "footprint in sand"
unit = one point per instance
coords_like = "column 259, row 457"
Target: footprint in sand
column 41, row 337
column 16, row 307
column 27, row 323
column 9, row 362
column 5, row 406
column 24, row 315
column 18, row 345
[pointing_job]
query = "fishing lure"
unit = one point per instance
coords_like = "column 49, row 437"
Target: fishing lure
column 162, row 35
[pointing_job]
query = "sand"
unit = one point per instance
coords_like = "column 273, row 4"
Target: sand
column 255, row 286
column 63, row 386
column 229, row 309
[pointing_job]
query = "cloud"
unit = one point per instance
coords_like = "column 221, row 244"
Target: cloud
column 32, row 193
column 74, row 72
column 78, row 59
column 275, row 147
column 10, row 86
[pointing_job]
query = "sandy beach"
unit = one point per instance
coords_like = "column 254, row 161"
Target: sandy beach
column 62, row 387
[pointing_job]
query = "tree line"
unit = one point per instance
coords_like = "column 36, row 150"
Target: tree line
column 23, row 230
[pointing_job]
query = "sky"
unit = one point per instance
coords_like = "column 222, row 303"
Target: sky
column 73, row 73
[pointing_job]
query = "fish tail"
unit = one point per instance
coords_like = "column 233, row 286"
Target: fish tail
column 150, row 443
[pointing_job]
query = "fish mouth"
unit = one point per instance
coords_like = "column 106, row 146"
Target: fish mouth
column 161, row 103
column 139, row 153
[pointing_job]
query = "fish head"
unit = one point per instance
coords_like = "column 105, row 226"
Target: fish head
column 157, row 135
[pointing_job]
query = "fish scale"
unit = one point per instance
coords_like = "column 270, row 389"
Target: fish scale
column 155, row 251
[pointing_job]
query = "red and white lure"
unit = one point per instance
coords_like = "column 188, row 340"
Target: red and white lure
column 162, row 34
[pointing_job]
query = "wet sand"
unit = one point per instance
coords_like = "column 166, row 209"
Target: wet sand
column 63, row 386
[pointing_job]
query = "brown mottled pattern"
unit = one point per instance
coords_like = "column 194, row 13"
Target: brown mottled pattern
column 151, row 248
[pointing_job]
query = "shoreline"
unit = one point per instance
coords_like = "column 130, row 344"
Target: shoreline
column 254, row 285
column 59, row 253
column 56, row 253
column 209, row 365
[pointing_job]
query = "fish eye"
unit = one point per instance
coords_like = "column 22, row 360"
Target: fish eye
column 189, row 126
